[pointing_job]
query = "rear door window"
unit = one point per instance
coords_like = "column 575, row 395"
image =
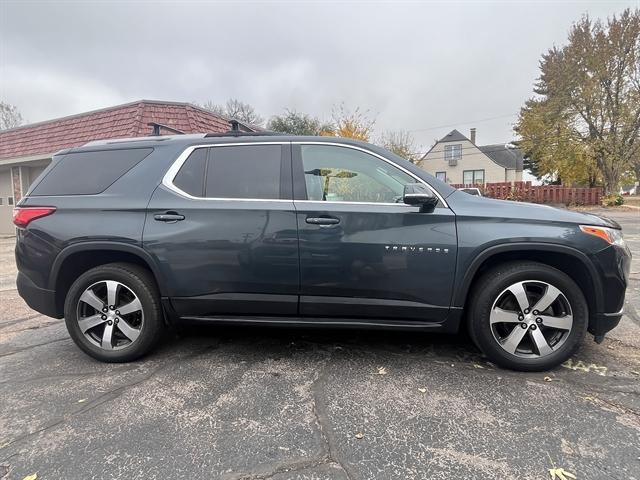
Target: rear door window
column 89, row 173
column 190, row 178
column 244, row 171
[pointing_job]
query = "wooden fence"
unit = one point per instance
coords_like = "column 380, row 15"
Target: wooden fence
column 525, row 192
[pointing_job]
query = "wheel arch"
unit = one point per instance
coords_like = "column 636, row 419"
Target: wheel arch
column 78, row 258
column 571, row 261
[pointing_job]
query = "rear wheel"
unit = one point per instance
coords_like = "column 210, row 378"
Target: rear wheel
column 527, row 316
column 113, row 312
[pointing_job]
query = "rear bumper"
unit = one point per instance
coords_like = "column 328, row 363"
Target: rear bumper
column 40, row 299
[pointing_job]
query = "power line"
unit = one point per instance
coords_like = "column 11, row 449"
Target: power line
column 463, row 123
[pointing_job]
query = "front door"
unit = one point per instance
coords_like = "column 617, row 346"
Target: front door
column 223, row 231
column 364, row 253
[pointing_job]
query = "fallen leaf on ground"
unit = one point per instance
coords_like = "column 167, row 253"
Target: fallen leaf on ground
column 359, row 435
column 381, row 371
column 31, row 477
column 82, row 400
column 547, row 379
column 475, row 365
column 422, row 390
column 560, row 474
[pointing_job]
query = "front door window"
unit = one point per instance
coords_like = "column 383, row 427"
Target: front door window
column 340, row 174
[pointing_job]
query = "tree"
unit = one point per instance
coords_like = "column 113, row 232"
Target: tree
column 587, row 108
column 296, row 123
column 354, row 124
column 235, row 109
column 551, row 150
column 10, row 117
column 401, row 143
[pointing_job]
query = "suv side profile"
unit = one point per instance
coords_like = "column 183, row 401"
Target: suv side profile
column 123, row 238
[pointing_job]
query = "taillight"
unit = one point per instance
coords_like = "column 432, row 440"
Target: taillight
column 22, row 216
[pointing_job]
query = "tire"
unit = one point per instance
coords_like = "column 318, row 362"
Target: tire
column 111, row 335
column 496, row 319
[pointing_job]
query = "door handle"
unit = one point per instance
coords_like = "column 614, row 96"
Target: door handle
column 322, row 221
column 169, row 217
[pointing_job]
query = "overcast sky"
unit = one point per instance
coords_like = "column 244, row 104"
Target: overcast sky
column 426, row 67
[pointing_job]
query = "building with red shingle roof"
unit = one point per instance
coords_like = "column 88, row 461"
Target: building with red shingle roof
column 26, row 151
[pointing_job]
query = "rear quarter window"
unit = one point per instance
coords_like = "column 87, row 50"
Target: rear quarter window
column 88, row 173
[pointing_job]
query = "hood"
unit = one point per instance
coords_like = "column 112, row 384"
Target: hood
column 464, row 204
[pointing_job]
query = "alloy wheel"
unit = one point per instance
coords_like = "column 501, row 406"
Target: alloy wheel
column 110, row 315
column 531, row 319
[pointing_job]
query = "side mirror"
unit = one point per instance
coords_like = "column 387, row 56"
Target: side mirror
column 420, row 195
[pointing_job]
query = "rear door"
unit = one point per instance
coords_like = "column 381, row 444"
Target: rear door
column 364, row 253
column 222, row 227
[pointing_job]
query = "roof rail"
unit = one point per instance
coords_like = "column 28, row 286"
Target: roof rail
column 238, row 133
column 161, row 138
column 159, row 126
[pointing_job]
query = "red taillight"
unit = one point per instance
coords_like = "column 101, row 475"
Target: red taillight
column 22, row 216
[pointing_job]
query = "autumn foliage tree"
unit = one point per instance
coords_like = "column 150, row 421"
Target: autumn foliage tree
column 584, row 123
column 296, row 123
column 401, row 143
column 356, row 124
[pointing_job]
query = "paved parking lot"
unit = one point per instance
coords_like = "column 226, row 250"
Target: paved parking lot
column 247, row 403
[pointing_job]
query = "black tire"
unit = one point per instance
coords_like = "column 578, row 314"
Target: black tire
column 488, row 289
column 141, row 283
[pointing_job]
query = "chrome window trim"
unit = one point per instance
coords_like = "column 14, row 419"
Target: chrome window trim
column 175, row 167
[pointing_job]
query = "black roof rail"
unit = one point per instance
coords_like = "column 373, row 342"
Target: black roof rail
column 159, row 126
column 237, row 133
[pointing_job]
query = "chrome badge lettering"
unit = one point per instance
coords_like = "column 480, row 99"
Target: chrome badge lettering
column 414, row 249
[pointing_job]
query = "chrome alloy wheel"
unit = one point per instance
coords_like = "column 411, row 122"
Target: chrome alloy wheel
column 531, row 319
column 110, row 315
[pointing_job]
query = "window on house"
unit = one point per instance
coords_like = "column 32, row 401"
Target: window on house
column 453, row 152
column 9, row 200
column 441, row 176
column 472, row 177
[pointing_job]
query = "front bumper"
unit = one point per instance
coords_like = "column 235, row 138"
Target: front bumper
column 613, row 265
column 605, row 322
column 40, row 299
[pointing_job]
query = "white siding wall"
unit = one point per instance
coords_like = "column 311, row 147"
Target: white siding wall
column 28, row 174
column 472, row 159
column 6, row 211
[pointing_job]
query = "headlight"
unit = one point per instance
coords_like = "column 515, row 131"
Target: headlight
column 612, row 236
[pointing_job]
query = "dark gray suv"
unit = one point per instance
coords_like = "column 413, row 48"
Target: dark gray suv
column 125, row 237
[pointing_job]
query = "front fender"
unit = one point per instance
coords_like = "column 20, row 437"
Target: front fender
column 465, row 278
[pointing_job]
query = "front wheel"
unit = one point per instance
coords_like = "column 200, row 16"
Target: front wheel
column 113, row 312
column 527, row 316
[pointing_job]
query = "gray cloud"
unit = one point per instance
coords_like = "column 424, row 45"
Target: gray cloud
column 416, row 65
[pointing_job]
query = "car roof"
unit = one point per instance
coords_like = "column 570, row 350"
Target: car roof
column 214, row 139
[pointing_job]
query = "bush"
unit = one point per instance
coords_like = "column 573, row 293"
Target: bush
column 612, row 200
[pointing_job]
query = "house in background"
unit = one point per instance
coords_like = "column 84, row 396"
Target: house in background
column 457, row 159
column 26, row 151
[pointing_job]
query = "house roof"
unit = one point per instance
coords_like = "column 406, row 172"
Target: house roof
column 453, row 136
column 507, row 157
column 120, row 121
